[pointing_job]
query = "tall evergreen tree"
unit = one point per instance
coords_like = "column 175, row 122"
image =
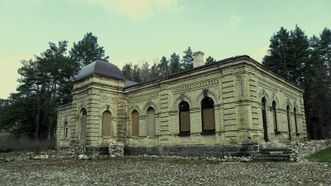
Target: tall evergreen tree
column 325, row 49
column 187, row 61
column 43, row 86
column 298, row 55
column 127, row 71
column 174, row 63
column 301, row 61
column 278, row 58
column 163, row 66
column 145, row 72
column 87, row 50
column 136, row 73
column 154, row 72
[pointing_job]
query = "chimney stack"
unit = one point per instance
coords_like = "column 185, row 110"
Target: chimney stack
column 198, row 59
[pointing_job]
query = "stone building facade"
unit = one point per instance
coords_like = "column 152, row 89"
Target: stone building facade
column 208, row 109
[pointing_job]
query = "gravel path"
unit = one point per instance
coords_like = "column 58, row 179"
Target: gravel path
column 153, row 171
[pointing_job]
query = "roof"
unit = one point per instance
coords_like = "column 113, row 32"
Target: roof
column 102, row 68
column 223, row 61
column 129, row 83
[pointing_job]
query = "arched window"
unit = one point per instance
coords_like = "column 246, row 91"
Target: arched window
column 135, row 123
column 288, row 122
column 295, row 121
column 151, row 122
column 208, row 116
column 274, row 111
column 184, row 118
column 106, row 123
column 264, row 118
column 83, row 120
column 66, row 130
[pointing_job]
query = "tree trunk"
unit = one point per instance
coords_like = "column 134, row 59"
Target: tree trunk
column 36, row 134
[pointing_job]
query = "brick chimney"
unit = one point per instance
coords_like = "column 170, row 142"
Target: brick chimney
column 198, row 59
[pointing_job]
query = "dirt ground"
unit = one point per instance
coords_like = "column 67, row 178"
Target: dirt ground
column 160, row 171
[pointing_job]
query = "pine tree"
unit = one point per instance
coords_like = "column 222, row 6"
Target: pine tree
column 187, row 61
column 163, row 66
column 136, row 73
column 174, row 63
column 298, row 55
column 154, row 72
column 325, row 49
column 303, row 62
column 277, row 58
column 145, row 72
column 127, row 71
column 87, row 50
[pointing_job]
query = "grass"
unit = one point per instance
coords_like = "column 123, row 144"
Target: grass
column 321, row 156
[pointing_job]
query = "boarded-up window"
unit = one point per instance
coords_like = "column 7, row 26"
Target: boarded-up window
column 288, row 122
column 66, row 130
column 295, row 121
column 83, row 120
column 264, row 119
column 106, row 123
column 274, row 110
column 151, row 122
column 208, row 115
column 135, row 123
column 184, row 118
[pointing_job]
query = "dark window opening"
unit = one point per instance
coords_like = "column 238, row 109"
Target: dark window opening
column 295, row 121
column 274, row 110
column 135, row 123
column 264, row 119
column 288, row 122
column 184, row 119
column 208, row 116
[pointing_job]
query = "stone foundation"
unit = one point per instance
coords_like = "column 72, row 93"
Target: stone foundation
column 218, row 151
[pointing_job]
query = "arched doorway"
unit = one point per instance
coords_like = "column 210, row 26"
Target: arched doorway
column 184, row 118
column 106, row 124
column 83, row 120
column 264, row 119
column 208, row 116
column 151, row 122
column 135, row 123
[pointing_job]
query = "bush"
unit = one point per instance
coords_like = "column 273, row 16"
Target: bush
column 11, row 143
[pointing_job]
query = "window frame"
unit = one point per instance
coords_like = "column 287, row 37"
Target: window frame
column 210, row 105
column 185, row 109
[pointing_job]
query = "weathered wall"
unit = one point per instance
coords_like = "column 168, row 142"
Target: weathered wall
column 262, row 83
column 236, row 88
column 96, row 95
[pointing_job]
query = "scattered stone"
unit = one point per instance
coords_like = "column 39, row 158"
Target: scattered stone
column 84, row 157
column 116, row 149
column 41, row 157
column 245, row 159
column 135, row 171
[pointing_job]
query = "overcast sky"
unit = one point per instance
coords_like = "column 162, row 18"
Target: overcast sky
column 145, row 30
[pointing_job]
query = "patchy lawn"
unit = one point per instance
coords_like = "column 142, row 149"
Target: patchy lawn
column 322, row 156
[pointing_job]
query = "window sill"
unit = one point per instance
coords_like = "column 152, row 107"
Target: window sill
column 277, row 132
column 206, row 133
column 186, row 134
